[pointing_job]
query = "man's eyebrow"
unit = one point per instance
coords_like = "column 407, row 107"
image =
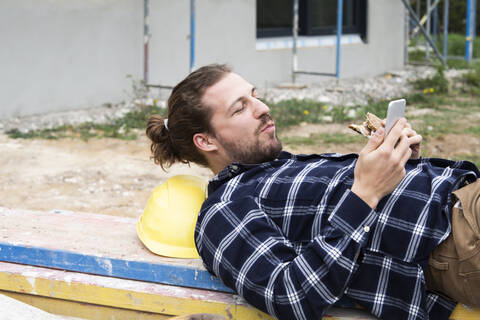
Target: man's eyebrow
column 234, row 103
column 240, row 99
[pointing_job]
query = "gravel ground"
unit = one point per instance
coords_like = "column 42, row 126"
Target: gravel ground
column 348, row 92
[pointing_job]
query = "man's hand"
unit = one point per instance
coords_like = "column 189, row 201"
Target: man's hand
column 416, row 148
column 381, row 164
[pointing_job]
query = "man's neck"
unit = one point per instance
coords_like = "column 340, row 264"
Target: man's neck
column 217, row 163
column 217, row 167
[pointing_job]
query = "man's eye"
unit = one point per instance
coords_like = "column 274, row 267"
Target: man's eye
column 239, row 109
column 254, row 93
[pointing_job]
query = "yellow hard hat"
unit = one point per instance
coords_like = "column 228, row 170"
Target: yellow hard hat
column 167, row 225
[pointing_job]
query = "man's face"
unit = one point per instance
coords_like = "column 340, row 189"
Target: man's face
column 243, row 128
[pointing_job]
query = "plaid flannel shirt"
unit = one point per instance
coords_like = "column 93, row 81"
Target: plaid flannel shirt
column 291, row 238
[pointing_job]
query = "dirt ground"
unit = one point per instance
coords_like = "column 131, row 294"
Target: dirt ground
column 108, row 176
column 116, row 177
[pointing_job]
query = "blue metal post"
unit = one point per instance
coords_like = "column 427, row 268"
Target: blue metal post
column 294, row 40
column 339, row 35
column 146, row 38
column 445, row 30
column 427, row 48
column 417, row 2
column 474, row 23
column 435, row 23
column 468, row 36
column 192, row 35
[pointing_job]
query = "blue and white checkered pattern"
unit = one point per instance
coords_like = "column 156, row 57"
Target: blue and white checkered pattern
column 291, row 238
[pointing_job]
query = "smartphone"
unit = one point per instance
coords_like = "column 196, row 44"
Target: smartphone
column 396, row 110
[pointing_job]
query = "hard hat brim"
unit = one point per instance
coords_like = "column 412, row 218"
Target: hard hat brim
column 165, row 249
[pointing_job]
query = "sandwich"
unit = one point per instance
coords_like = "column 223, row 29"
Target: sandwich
column 371, row 124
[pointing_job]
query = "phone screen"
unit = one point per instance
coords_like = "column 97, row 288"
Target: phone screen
column 396, row 110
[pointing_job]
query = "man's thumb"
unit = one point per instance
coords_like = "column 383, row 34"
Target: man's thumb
column 375, row 140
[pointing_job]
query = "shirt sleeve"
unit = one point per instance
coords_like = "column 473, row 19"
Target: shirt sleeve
column 244, row 247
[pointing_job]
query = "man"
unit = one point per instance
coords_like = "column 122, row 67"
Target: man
column 292, row 234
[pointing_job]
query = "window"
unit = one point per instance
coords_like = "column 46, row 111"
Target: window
column 315, row 17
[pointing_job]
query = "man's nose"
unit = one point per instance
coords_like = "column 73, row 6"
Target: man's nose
column 260, row 108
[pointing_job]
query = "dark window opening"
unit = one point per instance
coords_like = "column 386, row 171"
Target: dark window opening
column 315, row 17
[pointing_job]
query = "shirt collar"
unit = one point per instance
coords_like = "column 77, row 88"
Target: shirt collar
column 236, row 168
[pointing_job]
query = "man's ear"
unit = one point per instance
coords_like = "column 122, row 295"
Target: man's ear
column 205, row 142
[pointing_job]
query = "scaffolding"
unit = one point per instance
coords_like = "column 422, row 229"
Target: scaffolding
column 432, row 10
column 432, row 14
column 146, row 42
column 295, row 70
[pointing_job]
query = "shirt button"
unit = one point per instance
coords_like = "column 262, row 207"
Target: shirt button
column 366, row 229
column 234, row 167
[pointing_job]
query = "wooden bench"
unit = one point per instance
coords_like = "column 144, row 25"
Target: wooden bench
column 93, row 266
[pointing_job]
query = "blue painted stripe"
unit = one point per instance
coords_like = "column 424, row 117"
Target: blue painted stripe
column 135, row 270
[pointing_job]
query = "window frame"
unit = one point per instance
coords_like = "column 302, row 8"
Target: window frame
column 305, row 22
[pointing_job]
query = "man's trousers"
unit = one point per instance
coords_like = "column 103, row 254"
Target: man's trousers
column 454, row 266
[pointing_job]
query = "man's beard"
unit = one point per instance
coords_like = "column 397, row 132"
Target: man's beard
column 251, row 153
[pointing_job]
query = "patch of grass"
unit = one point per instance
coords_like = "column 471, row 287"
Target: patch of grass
column 339, row 114
column 474, row 130
column 50, row 134
column 437, row 83
column 122, row 128
column 435, row 125
column 418, row 99
column 304, row 141
column 458, row 64
column 429, row 100
column 291, row 112
column 416, row 55
column 472, row 80
column 456, row 46
column 379, row 108
column 325, row 138
column 341, row 138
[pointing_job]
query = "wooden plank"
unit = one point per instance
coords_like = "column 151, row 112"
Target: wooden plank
column 120, row 297
column 70, row 241
column 113, row 296
column 123, row 293
column 86, row 233
column 15, row 309
column 82, row 310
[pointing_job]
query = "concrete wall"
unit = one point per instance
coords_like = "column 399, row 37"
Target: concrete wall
column 60, row 55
